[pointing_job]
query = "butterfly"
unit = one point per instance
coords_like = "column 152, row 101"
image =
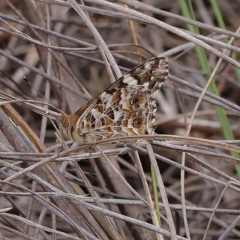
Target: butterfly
column 127, row 107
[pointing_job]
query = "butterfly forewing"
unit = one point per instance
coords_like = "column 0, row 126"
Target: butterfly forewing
column 126, row 107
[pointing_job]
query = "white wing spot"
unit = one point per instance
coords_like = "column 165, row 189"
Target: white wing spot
column 103, row 95
column 117, row 115
column 129, row 79
column 96, row 114
column 133, row 83
column 146, row 85
column 147, row 66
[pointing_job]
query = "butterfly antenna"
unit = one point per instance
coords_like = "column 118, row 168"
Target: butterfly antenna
column 30, row 104
column 26, row 80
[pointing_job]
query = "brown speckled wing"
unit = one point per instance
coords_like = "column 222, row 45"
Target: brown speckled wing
column 125, row 108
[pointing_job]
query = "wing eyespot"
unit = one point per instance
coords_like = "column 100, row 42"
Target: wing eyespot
column 135, row 100
column 137, row 122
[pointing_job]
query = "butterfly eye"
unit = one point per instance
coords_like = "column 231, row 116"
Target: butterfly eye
column 137, row 122
column 135, row 100
column 65, row 123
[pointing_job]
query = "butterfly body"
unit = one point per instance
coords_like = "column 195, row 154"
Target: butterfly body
column 125, row 108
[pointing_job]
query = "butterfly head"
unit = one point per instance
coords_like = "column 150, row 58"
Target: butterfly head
column 68, row 125
column 64, row 122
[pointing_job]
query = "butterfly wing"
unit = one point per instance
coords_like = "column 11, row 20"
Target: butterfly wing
column 126, row 107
